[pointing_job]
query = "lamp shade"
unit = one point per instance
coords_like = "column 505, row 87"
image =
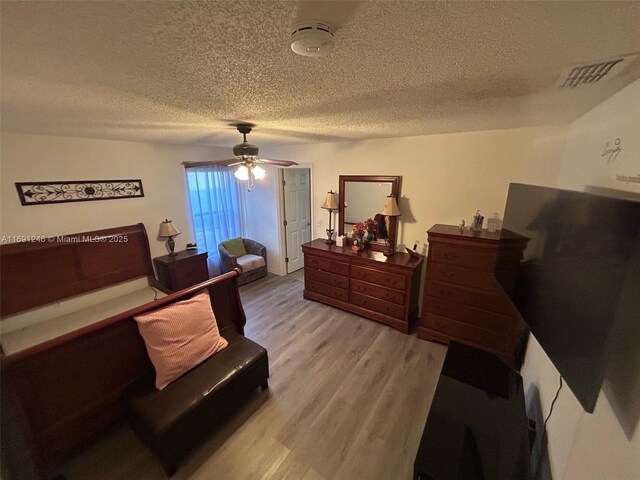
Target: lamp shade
column 167, row 229
column 391, row 207
column 258, row 172
column 242, row 173
column 331, row 202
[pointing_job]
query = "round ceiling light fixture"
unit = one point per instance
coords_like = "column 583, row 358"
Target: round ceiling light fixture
column 313, row 38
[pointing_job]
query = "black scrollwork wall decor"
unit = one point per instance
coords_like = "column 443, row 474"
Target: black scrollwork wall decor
column 41, row 193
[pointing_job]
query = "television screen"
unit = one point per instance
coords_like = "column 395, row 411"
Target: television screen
column 576, row 278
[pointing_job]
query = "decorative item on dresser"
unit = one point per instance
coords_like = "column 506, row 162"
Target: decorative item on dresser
column 167, row 230
column 331, row 204
column 462, row 300
column 182, row 269
column 390, row 210
column 381, row 288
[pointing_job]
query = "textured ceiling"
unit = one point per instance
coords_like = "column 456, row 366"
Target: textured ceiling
column 180, row 72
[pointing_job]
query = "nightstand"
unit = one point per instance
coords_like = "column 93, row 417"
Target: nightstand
column 186, row 268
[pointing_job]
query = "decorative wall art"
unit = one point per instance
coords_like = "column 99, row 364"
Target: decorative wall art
column 610, row 152
column 41, row 193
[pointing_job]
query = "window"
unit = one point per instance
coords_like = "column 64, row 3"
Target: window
column 215, row 207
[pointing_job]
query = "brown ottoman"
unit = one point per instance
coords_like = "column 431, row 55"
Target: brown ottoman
column 173, row 421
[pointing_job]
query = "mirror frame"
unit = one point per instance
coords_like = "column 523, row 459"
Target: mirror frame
column 393, row 221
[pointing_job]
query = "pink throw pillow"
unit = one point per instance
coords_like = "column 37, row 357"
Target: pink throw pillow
column 180, row 336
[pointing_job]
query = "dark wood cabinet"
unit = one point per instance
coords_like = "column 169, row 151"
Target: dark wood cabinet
column 186, row 268
column 462, row 300
column 367, row 283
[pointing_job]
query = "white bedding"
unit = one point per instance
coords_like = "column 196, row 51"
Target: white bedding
column 22, row 331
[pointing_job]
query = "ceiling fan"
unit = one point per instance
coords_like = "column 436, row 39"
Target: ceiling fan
column 247, row 159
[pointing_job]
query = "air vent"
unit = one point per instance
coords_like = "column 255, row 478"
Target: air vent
column 595, row 72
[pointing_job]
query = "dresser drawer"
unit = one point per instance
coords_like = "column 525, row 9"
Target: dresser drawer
column 492, row 301
column 462, row 276
column 474, row 258
column 379, row 306
column 327, row 290
column 381, row 278
column 326, row 265
column 373, row 290
column 473, row 316
column 325, row 277
column 468, row 333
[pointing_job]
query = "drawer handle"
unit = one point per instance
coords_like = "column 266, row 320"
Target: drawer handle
column 442, row 309
column 450, row 257
column 448, row 275
column 391, row 282
column 446, row 293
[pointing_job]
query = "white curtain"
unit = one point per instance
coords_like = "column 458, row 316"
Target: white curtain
column 216, row 208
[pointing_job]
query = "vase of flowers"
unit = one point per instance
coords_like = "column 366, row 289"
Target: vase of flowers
column 363, row 233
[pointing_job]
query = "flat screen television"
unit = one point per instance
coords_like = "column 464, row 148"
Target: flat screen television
column 578, row 280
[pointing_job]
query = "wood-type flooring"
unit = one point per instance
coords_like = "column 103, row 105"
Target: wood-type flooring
column 348, row 399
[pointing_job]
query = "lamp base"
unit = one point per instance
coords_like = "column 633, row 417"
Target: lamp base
column 389, row 251
column 172, row 246
column 330, row 240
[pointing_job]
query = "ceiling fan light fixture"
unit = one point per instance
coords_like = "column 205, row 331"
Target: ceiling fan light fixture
column 258, row 172
column 242, row 173
column 246, row 159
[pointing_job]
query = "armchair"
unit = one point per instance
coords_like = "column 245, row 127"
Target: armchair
column 252, row 265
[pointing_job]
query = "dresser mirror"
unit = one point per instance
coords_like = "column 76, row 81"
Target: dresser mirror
column 363, row 196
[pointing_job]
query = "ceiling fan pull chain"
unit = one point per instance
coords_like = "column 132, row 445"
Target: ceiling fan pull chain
column 251, row 181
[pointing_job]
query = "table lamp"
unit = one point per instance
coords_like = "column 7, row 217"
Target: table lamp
column 167, row 230
column 390, row 210
column 331, row 204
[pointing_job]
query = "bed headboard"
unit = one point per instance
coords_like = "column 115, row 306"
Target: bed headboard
column 39, row 272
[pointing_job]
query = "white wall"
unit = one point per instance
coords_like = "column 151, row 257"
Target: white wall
column 605, row 444
column 40, row 158
column 263, row 213
column 444, row 177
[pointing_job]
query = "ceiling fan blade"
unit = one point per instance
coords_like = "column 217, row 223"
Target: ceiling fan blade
column 226, row 163
column 280, row 163
column 229, row 162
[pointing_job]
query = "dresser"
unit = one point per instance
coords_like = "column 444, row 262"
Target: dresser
column 367, row 283
column 462, row 300
column 184, row 269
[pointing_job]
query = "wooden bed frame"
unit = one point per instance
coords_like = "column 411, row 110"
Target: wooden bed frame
column 63, row 391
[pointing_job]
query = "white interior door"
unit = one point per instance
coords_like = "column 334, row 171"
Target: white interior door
column 297, row 211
